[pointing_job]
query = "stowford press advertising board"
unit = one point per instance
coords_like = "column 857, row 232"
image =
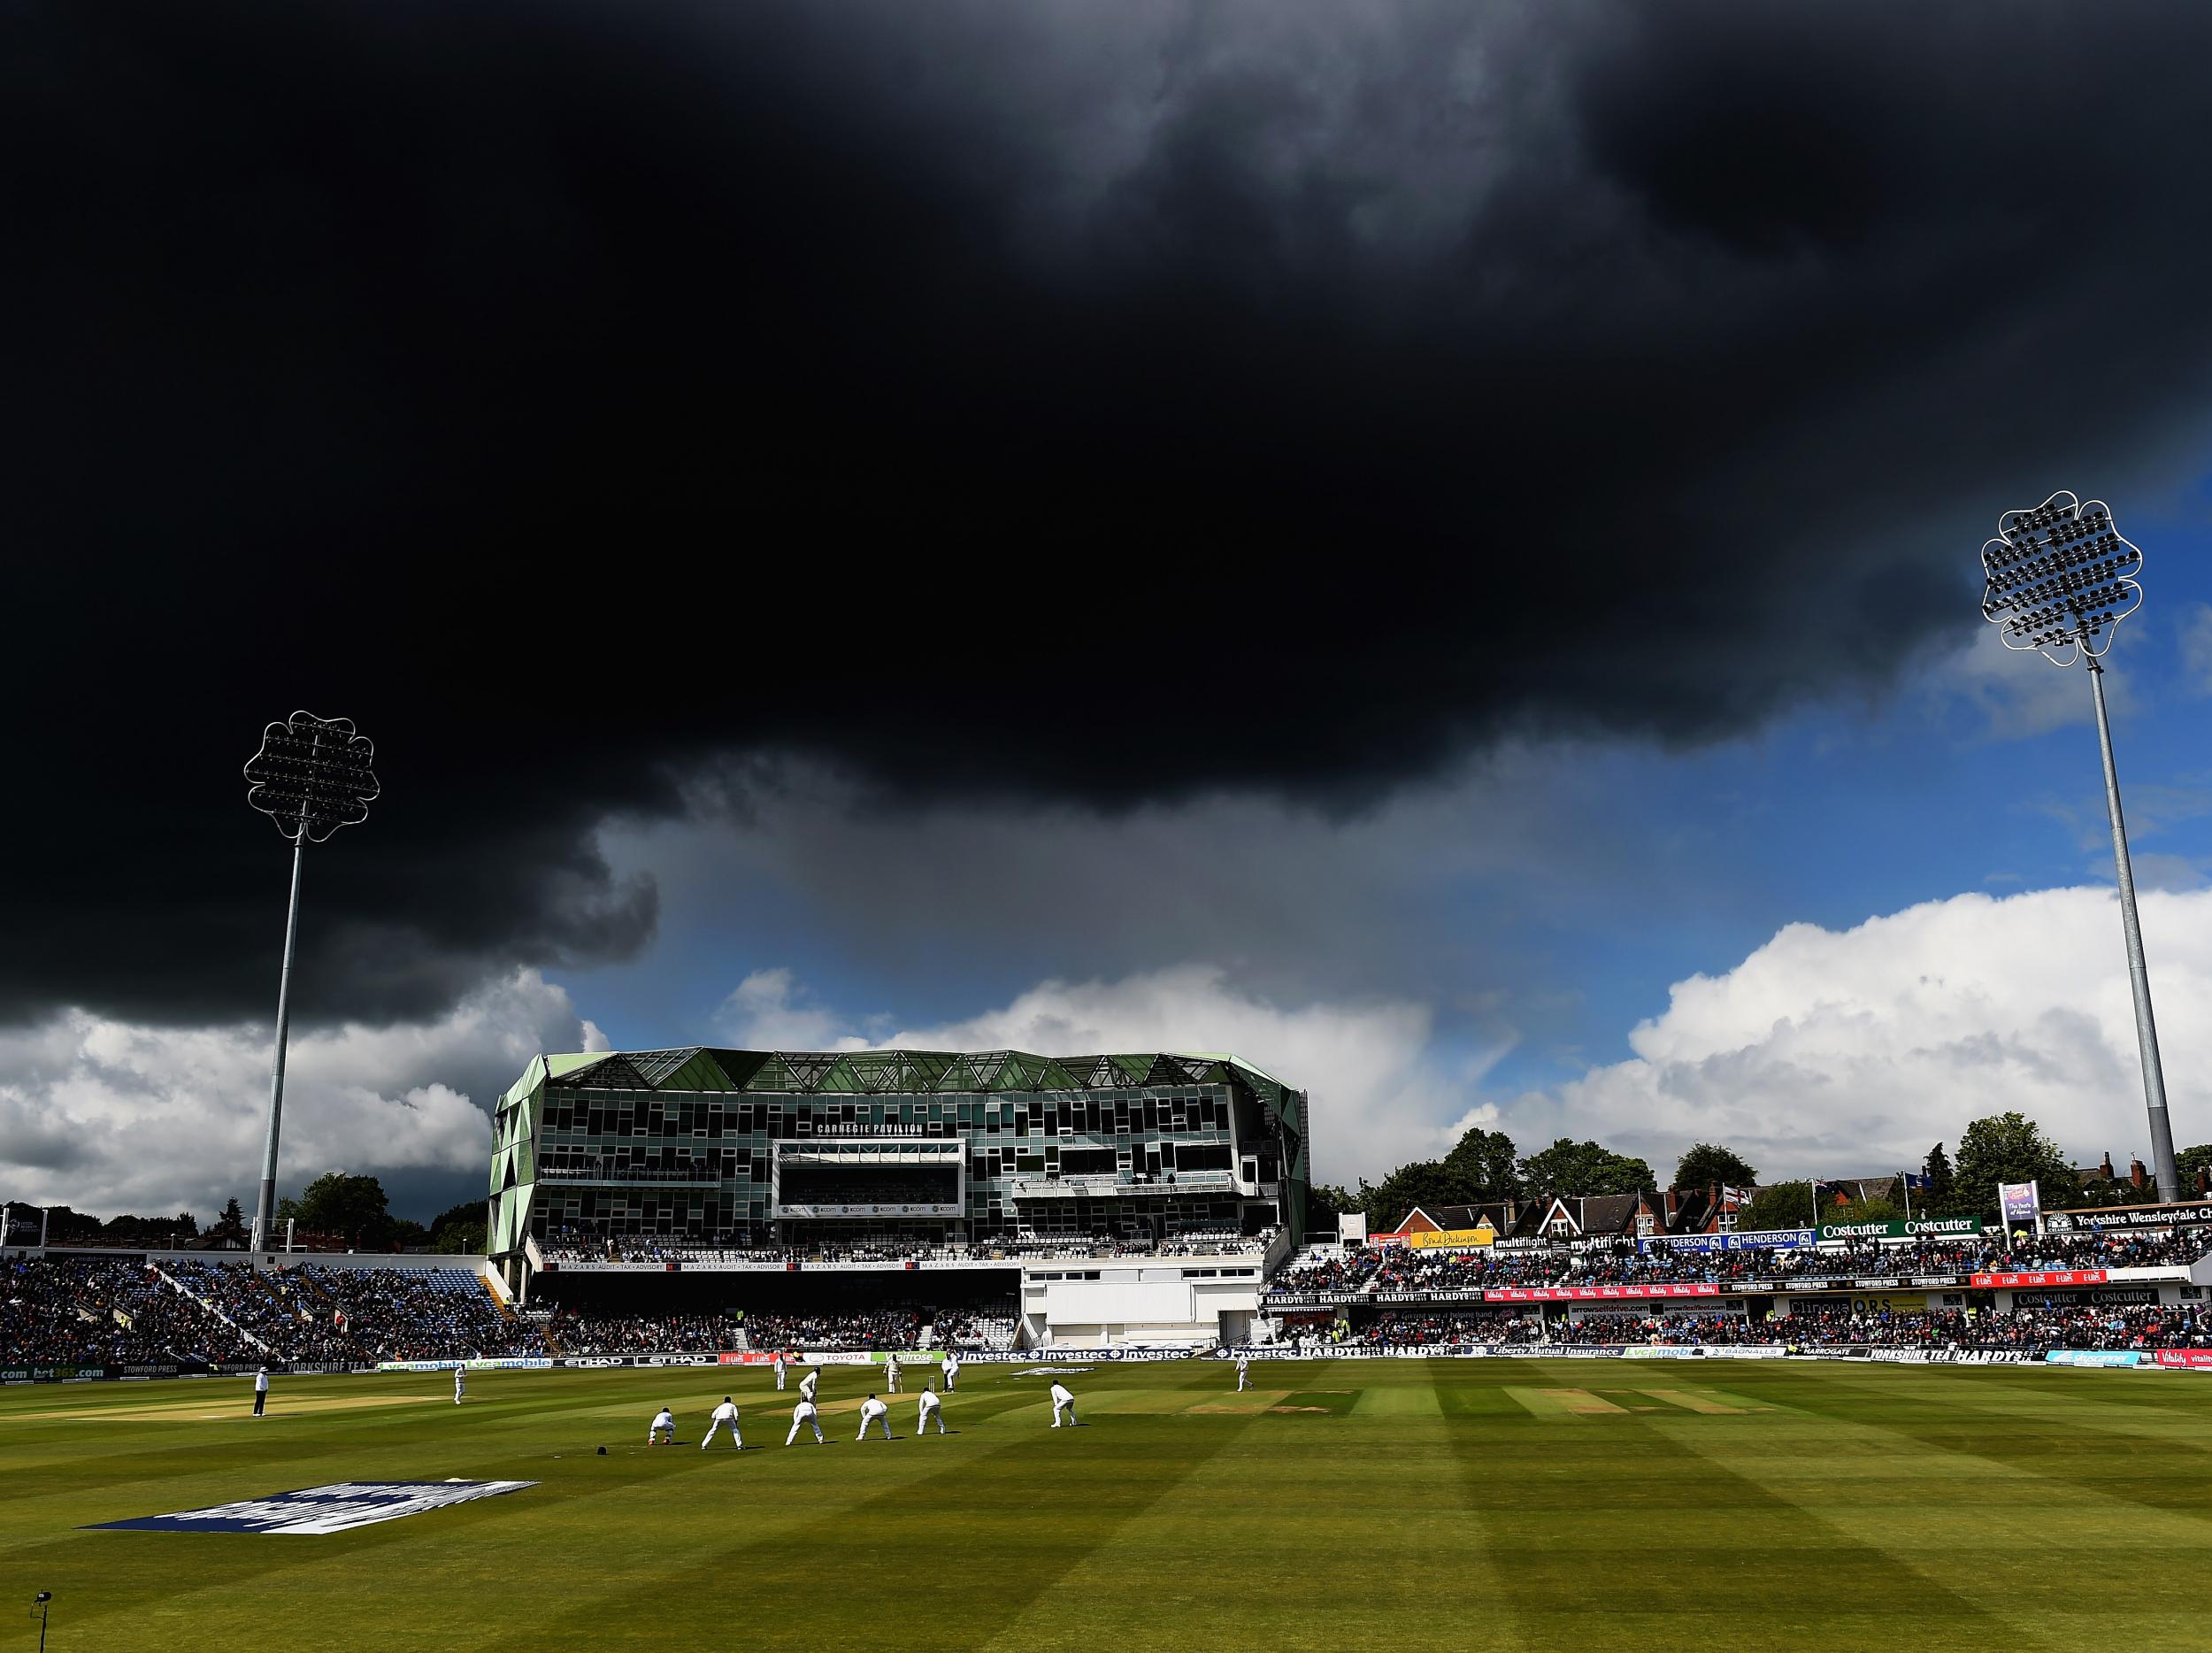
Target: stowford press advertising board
column 1906, row 1228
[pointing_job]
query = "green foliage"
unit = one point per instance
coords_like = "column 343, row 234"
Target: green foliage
column 2010, row 1148
column 1486, row 1160
column 1942, row 1184
column 2105, row 1191
column 1568, row 1168
column 1423, row 1182
column 232, row 1223
column 458, row 1239
column 1873, row 1211
column 1324, row 1203
column 2192, row 1162
column 1783, row 1205
column 466, row 1211
column 1708, row 1162
column 354, row 1209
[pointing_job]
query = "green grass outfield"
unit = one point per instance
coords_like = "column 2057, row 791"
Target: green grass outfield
column 1351, row 1505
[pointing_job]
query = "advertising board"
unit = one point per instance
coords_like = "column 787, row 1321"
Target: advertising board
column 1905, row 1229
column 1598, row 1293
column 2010, row 1280
column 2190, row 1213
column 504, row 1363
column 1452, row 1239
column 1757, row 1239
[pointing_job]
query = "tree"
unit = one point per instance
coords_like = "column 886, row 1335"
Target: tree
column 1569, row 1168
column 1486, row 1161
column 2010, row 1148
column 2192, row 1162
column 466, row 1211
column 460, row 1239
column 1708, row 1162
column 1942, row 1190
column 1877, row 1210
column 1326, row 1202
column 1428, row 1182
column 232, row 1223
column 353, row 1207
column 1783, row 1205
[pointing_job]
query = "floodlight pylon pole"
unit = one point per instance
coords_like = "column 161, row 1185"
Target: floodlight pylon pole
column 265, row 1202
column 2139, row 972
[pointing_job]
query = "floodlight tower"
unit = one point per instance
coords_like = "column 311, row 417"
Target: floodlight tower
column 312, row 776
column 2060, row 579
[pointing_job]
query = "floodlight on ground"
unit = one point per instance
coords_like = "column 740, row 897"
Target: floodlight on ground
column 312, row 776
column 2059, row 578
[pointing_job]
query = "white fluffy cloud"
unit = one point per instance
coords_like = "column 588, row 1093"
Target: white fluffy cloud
column 2196, row 646
column 1381, row 1094
column 1839, row 1053
column 109, row 1115
column 1852, row 1053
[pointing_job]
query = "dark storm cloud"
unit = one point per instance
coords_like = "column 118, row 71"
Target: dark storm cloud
column 1086, row 406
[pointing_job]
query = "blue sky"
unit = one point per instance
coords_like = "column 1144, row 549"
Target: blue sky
column 1540, row 903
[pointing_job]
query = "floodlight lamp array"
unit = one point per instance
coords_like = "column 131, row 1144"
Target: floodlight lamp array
column 312, row 776
column 2060, row 577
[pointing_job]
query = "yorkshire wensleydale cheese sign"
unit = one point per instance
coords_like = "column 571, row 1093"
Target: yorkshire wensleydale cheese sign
column 1907, row 1228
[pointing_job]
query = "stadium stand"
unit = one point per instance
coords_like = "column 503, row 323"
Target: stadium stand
column 123, row 1309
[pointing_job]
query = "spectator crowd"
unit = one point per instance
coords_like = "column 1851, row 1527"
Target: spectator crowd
column 123, row 1310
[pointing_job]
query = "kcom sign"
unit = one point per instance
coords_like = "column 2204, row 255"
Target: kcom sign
column 1908, row 1228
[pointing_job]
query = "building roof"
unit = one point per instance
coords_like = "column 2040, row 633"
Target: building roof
column 888, row 1072
column 1452, row 1219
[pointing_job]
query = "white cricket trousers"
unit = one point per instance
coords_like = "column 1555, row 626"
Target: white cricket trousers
column 1056, row 1406
column 885, row 1420
column 934, row 1415
column 737, row 1440
column 801, row 1420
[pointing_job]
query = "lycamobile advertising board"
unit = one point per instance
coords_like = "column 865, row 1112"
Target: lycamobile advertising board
column 1906, row 1228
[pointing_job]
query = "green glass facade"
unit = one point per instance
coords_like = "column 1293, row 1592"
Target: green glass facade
column 748, row 1147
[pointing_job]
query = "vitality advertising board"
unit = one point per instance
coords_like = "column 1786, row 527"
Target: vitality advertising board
column 2186, row 1360
column 1998, row 1280
column 1597, row 1294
